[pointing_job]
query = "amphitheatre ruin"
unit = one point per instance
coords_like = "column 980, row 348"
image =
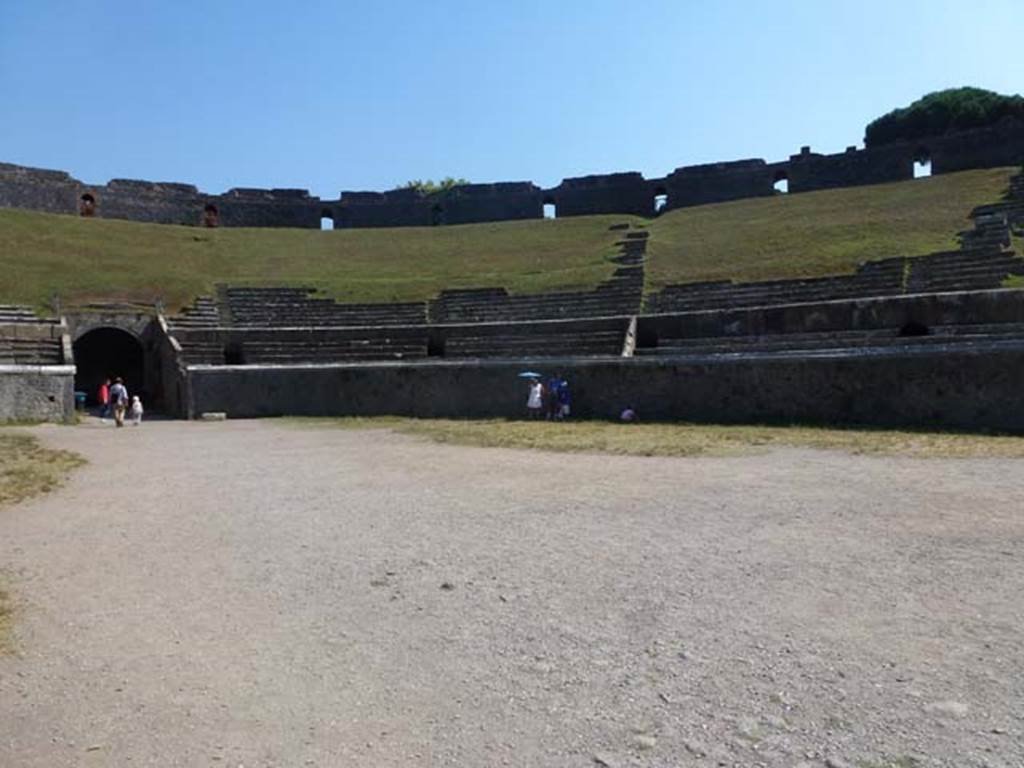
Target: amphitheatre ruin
column 805, row 553
column 898, row 338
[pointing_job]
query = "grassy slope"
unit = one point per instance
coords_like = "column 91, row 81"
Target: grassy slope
column 817, row 233
column 809, row 234
column 126, row 260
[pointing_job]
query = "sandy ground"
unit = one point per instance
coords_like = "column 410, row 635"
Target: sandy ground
column 264, row 594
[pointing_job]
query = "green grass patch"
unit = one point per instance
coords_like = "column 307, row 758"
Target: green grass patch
column 27, row 469
column 687, row 440
column 813, row 234
column 105, row 259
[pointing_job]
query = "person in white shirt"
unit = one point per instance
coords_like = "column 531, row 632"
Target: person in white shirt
column 136, row 411
column 535, row 401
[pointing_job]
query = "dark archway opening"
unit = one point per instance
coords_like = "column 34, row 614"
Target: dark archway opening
column 234, row 354
column 550, row 210
column 914, row 328
column 211, row 216
column 660, row 200
column 436, row 216
column 108, row 353
column 780, row 183
column 326, row 220
column 86, row 205
column 922, row 163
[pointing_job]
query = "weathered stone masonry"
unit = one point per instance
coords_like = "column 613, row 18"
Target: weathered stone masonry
column 620, row 193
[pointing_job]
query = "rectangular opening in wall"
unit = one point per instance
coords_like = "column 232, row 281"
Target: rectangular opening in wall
column 550, row 211
column 922, row 169
column 326, row 223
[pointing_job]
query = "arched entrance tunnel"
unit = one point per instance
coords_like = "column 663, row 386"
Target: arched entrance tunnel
column 106, row 353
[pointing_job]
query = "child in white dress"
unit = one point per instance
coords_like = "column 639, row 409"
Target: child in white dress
column 136, row 411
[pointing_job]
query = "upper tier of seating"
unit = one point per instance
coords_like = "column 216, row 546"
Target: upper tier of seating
column 964, row 270
column 17, row 350
column 295, row 307
column 832, row 341
column 286, row 346
column 569, row 338
column 15, row 313
column 620, row 295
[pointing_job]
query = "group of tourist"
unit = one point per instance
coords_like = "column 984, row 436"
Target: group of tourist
column 553, row 399
column 114, row 399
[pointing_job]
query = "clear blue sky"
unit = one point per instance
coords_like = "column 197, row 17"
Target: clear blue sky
column 360, row 94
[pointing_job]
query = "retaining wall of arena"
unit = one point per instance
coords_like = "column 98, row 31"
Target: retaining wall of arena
column 616, row 193
column 976, row 389
column 37, row 392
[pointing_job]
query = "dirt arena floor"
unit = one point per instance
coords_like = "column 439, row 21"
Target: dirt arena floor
column 272, row 594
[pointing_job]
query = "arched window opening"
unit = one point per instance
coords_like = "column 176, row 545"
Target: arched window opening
column 211, row 216
column 86, row 205
column 326, row 221
column 107, row 354
column 780, row 184
column 550, row 209
column 660, row 200
column 922, row 163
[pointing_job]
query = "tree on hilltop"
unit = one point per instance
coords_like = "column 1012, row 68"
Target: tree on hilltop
column 429, row 187
column 941, row 112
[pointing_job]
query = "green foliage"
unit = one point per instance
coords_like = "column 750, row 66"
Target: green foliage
column 427, row 187
column 954, row 109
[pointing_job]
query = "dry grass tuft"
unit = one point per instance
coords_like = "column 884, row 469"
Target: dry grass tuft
column 687, row 440
column 27, row 469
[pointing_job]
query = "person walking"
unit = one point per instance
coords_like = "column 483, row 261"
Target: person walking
column 551, row 396
column 136, row 411
column 119, row 401
column 103, row 396
column 564, row 400
column 535, row 400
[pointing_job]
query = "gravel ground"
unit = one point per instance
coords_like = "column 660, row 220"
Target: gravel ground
column 265, row 594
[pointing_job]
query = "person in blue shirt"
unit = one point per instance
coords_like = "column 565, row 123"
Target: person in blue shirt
column 551, row 397
column 564, row 399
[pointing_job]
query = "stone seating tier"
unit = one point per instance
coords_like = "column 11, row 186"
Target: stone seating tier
column 22, row 351
column 533, row 345
column 808, row 342
column 13, row 313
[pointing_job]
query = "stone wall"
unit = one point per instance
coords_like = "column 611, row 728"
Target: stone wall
column 617, row 193
column 37, row 393
column 975, row 389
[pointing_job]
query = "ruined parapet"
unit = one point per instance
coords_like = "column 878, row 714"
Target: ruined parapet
column 463, row 204
column 38, row 189
column 603, row 193
column 718, row 182
column 809, row 170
